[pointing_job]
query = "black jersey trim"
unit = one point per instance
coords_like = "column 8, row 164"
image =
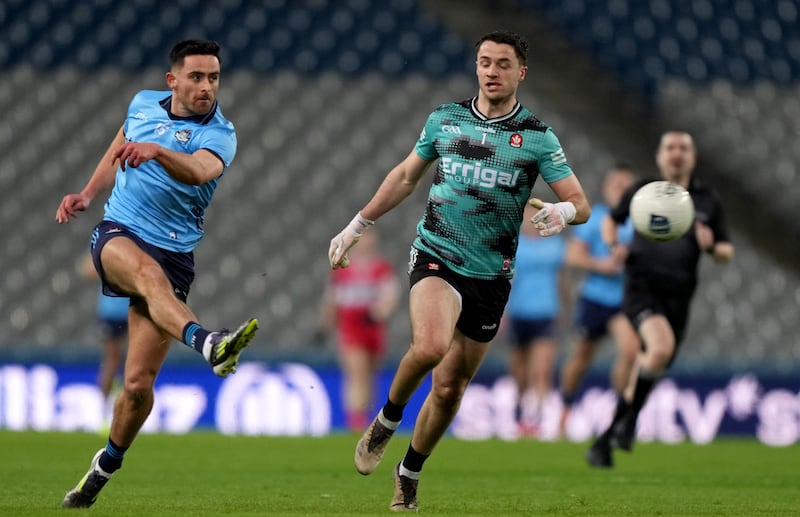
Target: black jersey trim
column 200, row 119
column 215, row 153
column 511, row 114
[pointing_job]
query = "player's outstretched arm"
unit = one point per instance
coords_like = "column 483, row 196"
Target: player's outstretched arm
column 102, row 180
column 401, row 181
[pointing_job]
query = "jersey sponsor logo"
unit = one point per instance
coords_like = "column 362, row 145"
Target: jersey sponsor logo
column 453, row 130
column 515, row 140
column 486, row 129
column 474, row 174
column 558, row 157
column 161, row 128
column 183, row 135
column 140, row 116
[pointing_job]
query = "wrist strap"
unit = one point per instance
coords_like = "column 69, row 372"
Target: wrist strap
column 363, row 221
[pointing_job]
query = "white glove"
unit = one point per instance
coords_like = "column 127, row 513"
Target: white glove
column 337, row 253
column 553, row 217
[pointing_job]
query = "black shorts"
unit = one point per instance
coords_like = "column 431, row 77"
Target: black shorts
column 113, row 329
column 179, row 267
column 641, row 302
column 482, row 301
column 525, row 330
column 591, row 318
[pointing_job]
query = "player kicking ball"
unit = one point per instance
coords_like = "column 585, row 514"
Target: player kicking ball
column 164, row 165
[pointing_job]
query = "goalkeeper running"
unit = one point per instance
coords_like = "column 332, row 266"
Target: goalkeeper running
column 490, row 151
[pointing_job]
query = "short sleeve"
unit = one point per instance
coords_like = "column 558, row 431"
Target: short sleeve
column 553, row 164
column 717, row 222
column 220, row 140
column 425, row 144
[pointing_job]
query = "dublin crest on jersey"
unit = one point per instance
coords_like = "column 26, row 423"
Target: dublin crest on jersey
column 183, row 135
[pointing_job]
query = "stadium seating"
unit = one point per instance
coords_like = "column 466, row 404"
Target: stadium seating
column 326, row 97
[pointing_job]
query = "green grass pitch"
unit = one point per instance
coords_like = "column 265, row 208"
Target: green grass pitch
column 205, row 474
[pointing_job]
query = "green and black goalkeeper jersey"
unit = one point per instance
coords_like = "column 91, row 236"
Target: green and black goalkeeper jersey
column 486, row 171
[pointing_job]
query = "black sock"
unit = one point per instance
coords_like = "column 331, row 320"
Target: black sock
column 413, row 460
column 111, row 459
column 392, row 411
column 621, row 410
column 644, row 385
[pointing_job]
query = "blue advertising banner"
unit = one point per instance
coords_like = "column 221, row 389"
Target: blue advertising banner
column 295, row 399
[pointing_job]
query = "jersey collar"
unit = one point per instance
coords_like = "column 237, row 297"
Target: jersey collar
column 200, row 119
column 473, row 106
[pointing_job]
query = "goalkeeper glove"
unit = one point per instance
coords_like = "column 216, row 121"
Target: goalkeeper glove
column 337, row 252
column 553, row 217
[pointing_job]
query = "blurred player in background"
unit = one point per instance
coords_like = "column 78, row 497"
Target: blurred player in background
column 660, row 281
column 490, row 151
column 163, row 164
column 535, row 306
column 598, row 312
column 358, row 302
column 112, row 317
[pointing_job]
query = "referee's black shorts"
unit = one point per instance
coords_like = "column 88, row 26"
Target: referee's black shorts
column 640, row 302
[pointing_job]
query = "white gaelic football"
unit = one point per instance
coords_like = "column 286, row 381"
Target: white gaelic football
column 662, row 211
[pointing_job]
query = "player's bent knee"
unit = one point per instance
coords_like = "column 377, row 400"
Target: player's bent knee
column 449, row 394
column 430, row 354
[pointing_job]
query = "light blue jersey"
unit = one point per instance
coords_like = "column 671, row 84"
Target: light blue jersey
column 603, row 289
column 535, row 288
column 161, row 210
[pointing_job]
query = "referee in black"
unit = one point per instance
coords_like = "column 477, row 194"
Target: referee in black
column 660, row 280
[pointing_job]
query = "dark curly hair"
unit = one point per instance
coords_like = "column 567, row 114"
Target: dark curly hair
column 509, row 38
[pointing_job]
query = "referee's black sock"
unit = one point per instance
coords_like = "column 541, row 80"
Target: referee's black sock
column 619, row 413
column 644, row 385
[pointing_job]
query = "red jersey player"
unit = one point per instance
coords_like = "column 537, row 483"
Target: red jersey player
column 358, row 301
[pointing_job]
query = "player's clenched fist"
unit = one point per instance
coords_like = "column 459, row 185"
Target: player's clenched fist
column 346, row 239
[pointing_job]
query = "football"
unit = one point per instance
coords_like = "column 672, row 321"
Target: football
column 662, row 211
